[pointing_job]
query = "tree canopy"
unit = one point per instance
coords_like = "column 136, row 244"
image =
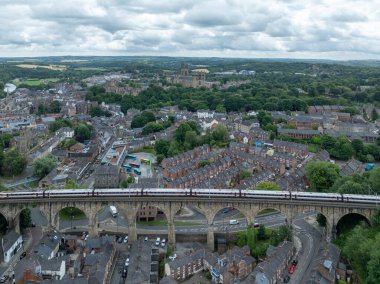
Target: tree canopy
column 43, row 166
column 82, row 132
column 13, row 163
column 321, row 175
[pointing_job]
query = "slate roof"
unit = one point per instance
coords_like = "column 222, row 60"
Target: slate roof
column 351, row 167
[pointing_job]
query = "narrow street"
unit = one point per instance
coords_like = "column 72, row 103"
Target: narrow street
column 311, row 242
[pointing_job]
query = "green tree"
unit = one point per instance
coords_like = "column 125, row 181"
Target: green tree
column 14, row 163
column 180, row 132
column 41, row 110
column 358, row 145
column 71, row 184
column 43, row 166
column 267, row 185
column 244, row 174
column 82, row 132
column 374, row 114
column 191, row 140
column 97, row 111
column 67, row 143
column 140, row 120
column 321, row 175
column 261, row 234
column 220, row 134
column 373, row 267
column 59, row 123
column 328, row 142
column 25, row 218
column 55, row 107
column 374, row 180
column 174, row 148
column 152, row 127
column 162, row 147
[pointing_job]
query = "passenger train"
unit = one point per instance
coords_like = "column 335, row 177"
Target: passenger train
column 191, row 192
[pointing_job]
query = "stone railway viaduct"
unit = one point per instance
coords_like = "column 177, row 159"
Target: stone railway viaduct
column 129, row 206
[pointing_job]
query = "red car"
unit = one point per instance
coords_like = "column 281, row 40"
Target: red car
column 291, row 269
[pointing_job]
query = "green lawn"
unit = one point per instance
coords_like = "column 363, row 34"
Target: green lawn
column 313, row 148
column 165, row 223
column 34, row 82
column 146, row 149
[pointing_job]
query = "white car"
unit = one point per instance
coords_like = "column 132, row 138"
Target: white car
column 158, row 240
column 163, row 242
column 172, row 258
column 127, row 262
column 145, row 239
column 125, row 239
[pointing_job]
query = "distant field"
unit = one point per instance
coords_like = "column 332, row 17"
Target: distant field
column 74, row 60
column 51, row 67
column 34, row 82
column 90, row 69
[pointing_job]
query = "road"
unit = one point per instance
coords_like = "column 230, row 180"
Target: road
column 311, row 242
column 119, row 224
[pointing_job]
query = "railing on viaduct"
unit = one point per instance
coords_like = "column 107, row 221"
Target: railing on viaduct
column 170, row 205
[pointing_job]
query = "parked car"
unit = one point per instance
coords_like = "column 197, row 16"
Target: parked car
column 172, row 258
column 4, row 278
column 23, row 255
column 127, row 262
column 295, row 262
column 125, row 239
column 120, row 240
column 158, row 240
column 286, row 279
column 145, row 239
column 163, row 242
column 291, row 269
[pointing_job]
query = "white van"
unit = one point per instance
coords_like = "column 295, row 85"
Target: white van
column 234, row 222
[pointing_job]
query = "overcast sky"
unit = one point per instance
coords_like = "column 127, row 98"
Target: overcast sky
column 333, row 29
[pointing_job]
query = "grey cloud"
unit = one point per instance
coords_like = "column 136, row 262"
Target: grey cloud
column 213, row 27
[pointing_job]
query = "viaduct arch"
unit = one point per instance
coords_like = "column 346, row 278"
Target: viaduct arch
column 170, row 206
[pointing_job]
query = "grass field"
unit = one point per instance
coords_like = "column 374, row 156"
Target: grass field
column 90, row 69
column 34, row 66
column 34, row 82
